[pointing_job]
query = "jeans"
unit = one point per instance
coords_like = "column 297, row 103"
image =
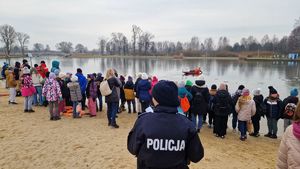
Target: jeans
column 243, row 128
column 37, row 97
column 12, row 94
column 194, row 120
column 100, row 103
column 28, row 103
column 286, row 123
column 272, row 125
column 234, row 120
column 112, row 110
column 144, row 105
column 75, row 113
column 129, row 105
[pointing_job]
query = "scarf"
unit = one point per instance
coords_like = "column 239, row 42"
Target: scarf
column 296, row 129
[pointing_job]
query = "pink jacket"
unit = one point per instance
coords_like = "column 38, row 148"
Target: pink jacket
column 153, row 83
column 245, row 107
column 289, row 149
column 51, row 90
column 27, row 86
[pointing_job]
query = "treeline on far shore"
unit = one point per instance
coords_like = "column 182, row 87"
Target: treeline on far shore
column 142, row 43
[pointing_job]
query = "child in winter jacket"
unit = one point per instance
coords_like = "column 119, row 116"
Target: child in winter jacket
column 260, row 111
column 245, row 108
column 288, row 108
column 52, row 93
column 211, row 113
column 28, row 90
column 75, row 93
column 12, row 84
column 91, row 93
column 273, row 106
column 64, row 92
column 129, row 94
column 289, row 149
column 37, row 83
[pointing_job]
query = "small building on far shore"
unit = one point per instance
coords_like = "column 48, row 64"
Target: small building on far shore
column 293, row 56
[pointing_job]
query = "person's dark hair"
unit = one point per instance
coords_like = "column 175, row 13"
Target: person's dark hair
column 36, row 65
column 47, row 74
column 24, row 61
column 213, row 86
column 241, row 87
column 43, row 62
column 79, row 70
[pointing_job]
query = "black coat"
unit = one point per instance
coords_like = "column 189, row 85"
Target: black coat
column 114, row 85
column 156, row 146
column 200, row 108
column 260, row 107
column 221, row 97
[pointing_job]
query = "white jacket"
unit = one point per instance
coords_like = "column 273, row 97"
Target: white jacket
column 36, row 79
column 289, row 151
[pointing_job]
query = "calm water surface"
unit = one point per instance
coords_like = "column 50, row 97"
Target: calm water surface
column 282, row 75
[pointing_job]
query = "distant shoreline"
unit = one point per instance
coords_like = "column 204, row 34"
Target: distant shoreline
column 168, row 57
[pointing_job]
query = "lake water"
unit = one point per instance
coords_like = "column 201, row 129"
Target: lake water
column 282, row 75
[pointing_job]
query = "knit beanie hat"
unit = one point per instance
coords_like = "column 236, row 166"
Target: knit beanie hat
column 166, row 93
column 144, row 76
column 256, row 92
column 74, row 78
column 214, row 86
column 294, row 92
column 272, row 90
column 130, row 78
column 52, row 75
column 189, row 83
column 26, row 70
column 241, row 87
column 245, row 92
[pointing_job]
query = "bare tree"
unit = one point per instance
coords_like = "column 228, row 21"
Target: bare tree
column 294, row 40
column 66, row 47
column 136, row 31
column 23, row 39
column 144, row 41
column 47, row 49
column 223, row 43
column 297, row 23
column 195, row 43
column 38, row 47
column 209, row 44
column 102, row 44
column 79, row 48
column 8, row 37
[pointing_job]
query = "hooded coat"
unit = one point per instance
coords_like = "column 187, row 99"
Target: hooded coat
column 245, row 107
column 199, row 108
column 289, row 149
column 82, row 82
column 221, row 97
column 51, row 90
column 143, row 90
column 55, row 65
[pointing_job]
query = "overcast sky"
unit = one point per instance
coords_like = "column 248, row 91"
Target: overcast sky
column 83, row 21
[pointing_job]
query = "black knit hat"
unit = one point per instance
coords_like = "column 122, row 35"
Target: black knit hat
column 272, row 90
column 213, row 86
column 166, row 93
column 241, row 87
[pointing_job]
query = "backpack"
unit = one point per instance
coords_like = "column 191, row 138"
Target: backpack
column 223, row 104
column 289, row 110
column 184, row 104
column 104, row 88
column 198, row 98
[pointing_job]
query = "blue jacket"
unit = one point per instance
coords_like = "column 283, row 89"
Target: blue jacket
column 183, row 92
column 143, row 88
column 164, row 146
column 82, row 82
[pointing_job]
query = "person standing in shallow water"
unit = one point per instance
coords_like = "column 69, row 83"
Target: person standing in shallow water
column 165, row 144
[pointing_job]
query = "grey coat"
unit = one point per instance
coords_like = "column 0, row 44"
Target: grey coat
column 75, row 91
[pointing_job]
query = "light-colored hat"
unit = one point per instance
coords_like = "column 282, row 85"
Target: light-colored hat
column 74, row 78
column 256, row 92
column 62, row 75
column 26, row 70
column 144, row 76
column 52, row 75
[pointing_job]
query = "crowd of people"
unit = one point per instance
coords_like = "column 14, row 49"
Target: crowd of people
column 200, row 104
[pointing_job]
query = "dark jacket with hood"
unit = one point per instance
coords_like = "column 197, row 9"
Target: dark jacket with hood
column 260, row 107
column 289, row 99
column 222, row 103
column 169, row 146
column 274, row 107
column 143, row 91
column 17, row 70
column 199, row 105
column 135, row 86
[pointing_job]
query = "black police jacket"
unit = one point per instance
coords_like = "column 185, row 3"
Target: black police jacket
column 164, row 139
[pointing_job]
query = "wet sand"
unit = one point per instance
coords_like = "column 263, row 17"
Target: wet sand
column 31, row 140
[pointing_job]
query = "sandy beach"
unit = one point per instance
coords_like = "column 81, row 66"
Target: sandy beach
column 31, row 140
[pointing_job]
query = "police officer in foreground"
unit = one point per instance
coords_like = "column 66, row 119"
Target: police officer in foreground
column 164, row 139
